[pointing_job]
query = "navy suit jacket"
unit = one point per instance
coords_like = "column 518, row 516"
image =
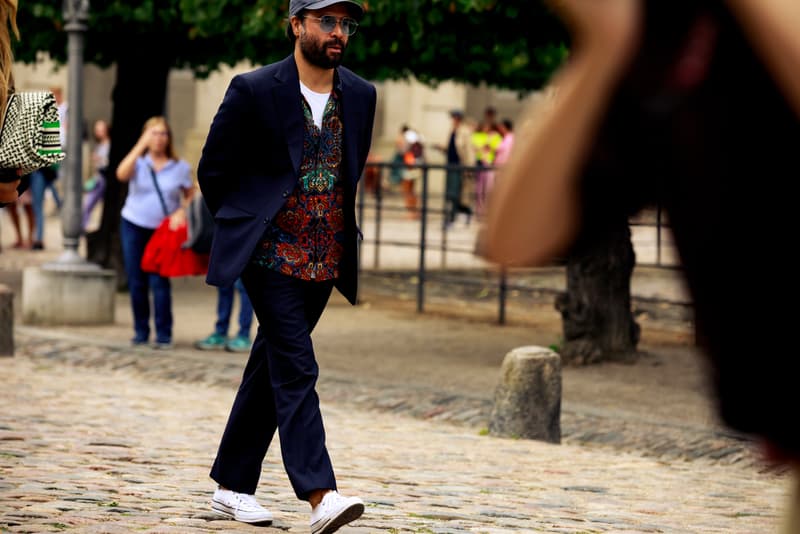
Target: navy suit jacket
column 251, row 162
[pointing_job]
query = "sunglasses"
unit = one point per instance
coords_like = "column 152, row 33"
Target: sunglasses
column 328, row 22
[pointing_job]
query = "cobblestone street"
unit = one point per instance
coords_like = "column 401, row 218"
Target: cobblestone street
column 102, row 450
column 100, row 437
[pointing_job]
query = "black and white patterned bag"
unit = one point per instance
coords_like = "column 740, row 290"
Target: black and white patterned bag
column 29, row 139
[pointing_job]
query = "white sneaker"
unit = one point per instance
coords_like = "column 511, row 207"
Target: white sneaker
column 335, row 511
column 239, row 506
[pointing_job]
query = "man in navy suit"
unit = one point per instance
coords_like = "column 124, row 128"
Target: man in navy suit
column 279, row 172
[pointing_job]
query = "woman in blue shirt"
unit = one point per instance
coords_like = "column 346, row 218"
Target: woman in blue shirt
column 152, row 160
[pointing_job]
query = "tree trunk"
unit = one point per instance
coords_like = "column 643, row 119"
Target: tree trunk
column 140, row 90
column 596, row 308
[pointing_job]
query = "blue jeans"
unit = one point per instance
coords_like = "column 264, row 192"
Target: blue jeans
column 134, row 239
column 38, row 187
column 225, row 307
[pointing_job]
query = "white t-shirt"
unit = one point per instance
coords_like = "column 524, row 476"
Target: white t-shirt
column 142, row 205
column 317, row 102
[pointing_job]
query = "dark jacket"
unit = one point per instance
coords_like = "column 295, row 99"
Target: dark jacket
column 251, row 162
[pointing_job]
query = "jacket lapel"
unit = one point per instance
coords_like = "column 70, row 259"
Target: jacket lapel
column 286, row 93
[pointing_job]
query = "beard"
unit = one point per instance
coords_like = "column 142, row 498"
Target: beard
column 316, row 51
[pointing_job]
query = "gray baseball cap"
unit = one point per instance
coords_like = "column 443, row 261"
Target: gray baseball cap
column 296, row 6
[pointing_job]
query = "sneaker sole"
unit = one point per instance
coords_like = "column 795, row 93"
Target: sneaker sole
column 221, row 509
column 346, row 516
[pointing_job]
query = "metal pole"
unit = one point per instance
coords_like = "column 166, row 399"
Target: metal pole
column 422, row 243
column 503, row 293
column 445, row 221
column 76, row 17
column 376, row 254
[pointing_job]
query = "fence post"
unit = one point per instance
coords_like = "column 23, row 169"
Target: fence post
column 503, row 293
column 445, row 222
column 376, row 254
column 422, row 242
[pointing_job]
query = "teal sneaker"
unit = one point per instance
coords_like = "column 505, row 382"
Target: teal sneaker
column 238, row 344
column 213, row 342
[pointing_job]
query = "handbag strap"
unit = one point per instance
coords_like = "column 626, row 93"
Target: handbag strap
column 158, row 190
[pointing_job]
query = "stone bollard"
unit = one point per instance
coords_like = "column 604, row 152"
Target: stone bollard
column 6, row 321
column 527, row 401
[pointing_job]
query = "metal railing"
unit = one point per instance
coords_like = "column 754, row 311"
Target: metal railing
column 378, row 207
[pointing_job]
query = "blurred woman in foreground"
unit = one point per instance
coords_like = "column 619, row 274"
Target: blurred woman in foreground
column 693, row 104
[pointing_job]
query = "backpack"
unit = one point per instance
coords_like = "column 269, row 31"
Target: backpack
column 200, row 226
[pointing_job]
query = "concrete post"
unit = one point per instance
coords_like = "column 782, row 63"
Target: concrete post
column 527, row 400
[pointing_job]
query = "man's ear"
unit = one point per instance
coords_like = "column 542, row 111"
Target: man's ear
column 296, row 23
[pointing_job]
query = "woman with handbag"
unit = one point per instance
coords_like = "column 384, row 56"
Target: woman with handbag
column 158, row 185
column 9, row 178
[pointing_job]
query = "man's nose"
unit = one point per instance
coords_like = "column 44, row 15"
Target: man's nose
column 337, row 29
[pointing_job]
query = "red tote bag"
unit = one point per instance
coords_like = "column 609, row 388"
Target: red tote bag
column 165, row 255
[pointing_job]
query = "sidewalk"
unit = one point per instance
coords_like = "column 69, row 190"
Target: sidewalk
column 97, row 436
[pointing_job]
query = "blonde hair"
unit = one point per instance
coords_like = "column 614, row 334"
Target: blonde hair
column 161, row 121
column 8, row 17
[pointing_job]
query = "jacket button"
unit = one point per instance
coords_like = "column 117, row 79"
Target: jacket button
column 285, row 194
column 266, row 221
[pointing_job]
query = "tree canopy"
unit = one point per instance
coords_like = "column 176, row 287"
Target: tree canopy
column 514, row 44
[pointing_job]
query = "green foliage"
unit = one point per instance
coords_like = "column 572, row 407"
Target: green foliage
column 514, row 44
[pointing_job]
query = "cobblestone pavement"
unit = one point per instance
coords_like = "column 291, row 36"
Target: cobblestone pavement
column 96, row 436
column 110, row 451
column 662, row 435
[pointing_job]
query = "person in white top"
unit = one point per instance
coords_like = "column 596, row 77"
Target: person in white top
column 159, row 185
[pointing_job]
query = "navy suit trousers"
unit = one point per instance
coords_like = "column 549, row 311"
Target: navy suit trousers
column 278, row 389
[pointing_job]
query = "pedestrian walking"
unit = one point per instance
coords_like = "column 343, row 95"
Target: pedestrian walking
column 649, row 110
column 157, row 182
column 400, row 149
column 279, row 172
column 219, row 338
column 486, row 138
column 23, row 202
column 506, row 128
column 95, row 186
column 459, row 152
column 413, row 155
column 39, row 181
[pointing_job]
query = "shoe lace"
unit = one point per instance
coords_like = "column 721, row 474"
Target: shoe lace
column 245, row 501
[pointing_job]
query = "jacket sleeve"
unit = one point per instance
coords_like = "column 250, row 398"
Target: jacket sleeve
column 366, row 140
column 223, row 153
